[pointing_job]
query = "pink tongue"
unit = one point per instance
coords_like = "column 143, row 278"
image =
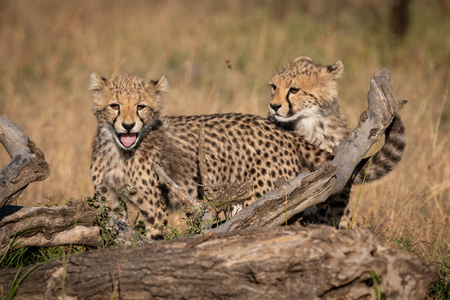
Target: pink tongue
column 128, row 139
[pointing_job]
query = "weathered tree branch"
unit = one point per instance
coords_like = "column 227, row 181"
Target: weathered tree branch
column 77, row 224
column 184, row 198
column 279, row 263
column 307, row 190
column 45, row 227
column 27, row 162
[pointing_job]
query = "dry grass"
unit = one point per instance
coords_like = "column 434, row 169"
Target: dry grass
column 49, row 48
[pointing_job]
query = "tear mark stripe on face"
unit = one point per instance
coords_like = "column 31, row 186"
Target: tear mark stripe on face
column 139, row 116
column 291, row 112
column 118, row 114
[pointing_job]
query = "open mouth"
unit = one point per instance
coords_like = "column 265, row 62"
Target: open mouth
column 128, row 139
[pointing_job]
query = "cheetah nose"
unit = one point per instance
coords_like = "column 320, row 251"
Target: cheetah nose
column 128, row 126
column 274, row 106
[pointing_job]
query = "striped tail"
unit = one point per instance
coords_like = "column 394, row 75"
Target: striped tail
column 387, row 158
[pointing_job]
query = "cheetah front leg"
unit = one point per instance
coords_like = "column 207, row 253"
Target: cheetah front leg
column 110, row 203
column 114, row 209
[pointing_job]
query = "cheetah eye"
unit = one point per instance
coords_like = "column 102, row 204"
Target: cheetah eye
column 273, row 86
column 115, row 106
column 141, row 107
column 294, row 90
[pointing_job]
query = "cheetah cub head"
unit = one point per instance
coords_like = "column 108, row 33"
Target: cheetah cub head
column 302, row 90
column 128, row 107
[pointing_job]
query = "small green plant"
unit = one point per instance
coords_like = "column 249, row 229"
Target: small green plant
column 441, row 288
column 68, row 201
column 376, row 280
column 195, row 225
column 14, row 258
column 362, row 185
column 405, row 245
column 106, row 232
column 16, row 282
column 29, row 255
column 50, row 202
column 170, row 233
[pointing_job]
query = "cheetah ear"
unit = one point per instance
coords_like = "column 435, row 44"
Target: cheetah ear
column 336, row 69
column 302, row 58
column 97, row 83
column 160, row 85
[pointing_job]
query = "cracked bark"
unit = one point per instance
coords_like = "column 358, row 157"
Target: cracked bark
column 276, row 263
column 45, row 227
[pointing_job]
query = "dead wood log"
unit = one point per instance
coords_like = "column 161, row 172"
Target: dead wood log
column 45, row 227
column 306, row 190
column 277, row 263
column 77, row 224
column 27, row 162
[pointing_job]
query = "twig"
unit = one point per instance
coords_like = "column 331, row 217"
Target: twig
column 184, row 198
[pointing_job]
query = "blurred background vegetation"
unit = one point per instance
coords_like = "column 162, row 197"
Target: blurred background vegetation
column 219, row 57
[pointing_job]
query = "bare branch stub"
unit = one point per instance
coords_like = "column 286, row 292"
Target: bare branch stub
column 380, row 113
column 182, row 196
column 27, row 163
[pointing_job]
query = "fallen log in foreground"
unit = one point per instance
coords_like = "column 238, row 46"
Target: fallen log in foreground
column 275, row 263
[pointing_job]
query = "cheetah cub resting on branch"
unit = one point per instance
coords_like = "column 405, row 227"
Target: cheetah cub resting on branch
column 305, row 101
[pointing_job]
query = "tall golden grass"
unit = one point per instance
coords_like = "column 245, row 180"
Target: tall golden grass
column 219, row 58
